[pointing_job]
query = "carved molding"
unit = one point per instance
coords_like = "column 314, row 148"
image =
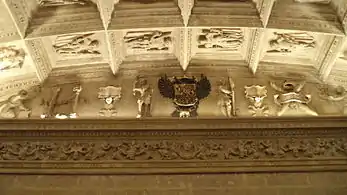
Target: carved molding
column 213, row 145
column 40, row 57
column 332, row 54
column 264, row 8
column 254, row 51
column 186, row 7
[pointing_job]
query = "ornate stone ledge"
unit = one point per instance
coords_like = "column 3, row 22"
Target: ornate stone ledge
column 173, row 146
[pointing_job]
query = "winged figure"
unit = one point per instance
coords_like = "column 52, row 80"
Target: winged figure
column 185, row 92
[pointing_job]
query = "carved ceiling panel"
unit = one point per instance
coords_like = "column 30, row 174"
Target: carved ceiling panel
column 76, row 49
column 147, row 34
column 219, row 43
column 15, row 60
column 293, row 47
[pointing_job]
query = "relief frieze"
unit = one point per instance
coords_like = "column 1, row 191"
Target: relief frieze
column 77, row 45
column 11, row 58
column 164, row 150
column 229, row 39
column 49, row 3
column 148, row 40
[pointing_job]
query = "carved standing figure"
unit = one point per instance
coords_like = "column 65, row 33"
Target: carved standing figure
column 292, row 101
column 226, row 38
column 13, row 106
column 11, row 58
column 110, row 95
column 226, row 101
column 143, row 92
column 288, row 42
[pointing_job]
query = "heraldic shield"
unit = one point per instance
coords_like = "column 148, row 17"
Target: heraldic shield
column 185, row 93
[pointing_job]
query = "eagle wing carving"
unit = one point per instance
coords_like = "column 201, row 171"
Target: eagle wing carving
column 203, row 87
column 166, row 87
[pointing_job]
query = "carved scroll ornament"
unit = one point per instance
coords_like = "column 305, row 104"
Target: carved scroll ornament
column 291, row 100
column 188, row 150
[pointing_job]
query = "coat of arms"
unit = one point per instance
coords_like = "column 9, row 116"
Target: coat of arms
column 185, row 93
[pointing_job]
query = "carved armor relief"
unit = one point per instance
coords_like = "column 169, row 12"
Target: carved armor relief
column 296, row 47
column 75, row 49
column 153, row 41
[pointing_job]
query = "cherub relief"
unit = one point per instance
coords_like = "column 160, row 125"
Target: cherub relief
column 292, row 101
column 143, row 92
column 11, row 58
column 289, row 42
column 74, row 45
column 148, row 40
column 62, row 2
column 226, row 38
column 13, row 106
column 226, row 100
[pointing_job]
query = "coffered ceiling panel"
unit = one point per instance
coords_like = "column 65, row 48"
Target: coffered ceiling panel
column 294, row 47
column 238, row 13
column 220, row 44
column 263, row 36
column 146, row 14
column 308, row 15
column 58, row 17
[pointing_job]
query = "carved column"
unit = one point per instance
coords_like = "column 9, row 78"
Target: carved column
column 332, row 53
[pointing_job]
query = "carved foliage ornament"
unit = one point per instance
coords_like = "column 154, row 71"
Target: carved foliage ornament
column 222, row 150
column 148, row 40
column 185, row 93
column 229, row 39
column 11, row 58
column 289, row 42
column 77, row 45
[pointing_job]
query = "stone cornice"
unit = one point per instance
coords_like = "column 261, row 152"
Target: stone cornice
column 173, row 145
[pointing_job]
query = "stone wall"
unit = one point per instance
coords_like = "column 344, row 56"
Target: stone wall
column 316, row 183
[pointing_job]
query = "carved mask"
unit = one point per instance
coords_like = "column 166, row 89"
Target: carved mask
column 255, row 94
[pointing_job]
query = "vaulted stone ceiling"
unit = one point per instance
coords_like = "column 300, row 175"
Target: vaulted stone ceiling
column 39, row 38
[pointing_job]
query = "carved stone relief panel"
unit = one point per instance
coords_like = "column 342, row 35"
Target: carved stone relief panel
column 223, row 43
column 148, row 41
column 76, row 49
column 157, row 44
column 294, row 47
column 14, row 60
